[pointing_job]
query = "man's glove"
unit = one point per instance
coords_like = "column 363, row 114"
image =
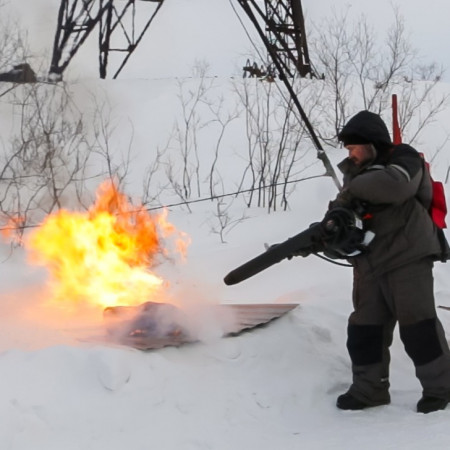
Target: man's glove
column 342, row 236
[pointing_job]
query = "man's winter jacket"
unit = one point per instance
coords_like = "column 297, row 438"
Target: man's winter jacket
column 396, row 191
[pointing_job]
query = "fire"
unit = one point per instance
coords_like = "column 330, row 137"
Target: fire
column 103, row 256
column 12, row 228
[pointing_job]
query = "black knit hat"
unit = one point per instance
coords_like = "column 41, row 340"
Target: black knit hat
column 364, row 128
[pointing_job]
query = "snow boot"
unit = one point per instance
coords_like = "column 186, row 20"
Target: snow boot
column 430, row 404
column 349, row 403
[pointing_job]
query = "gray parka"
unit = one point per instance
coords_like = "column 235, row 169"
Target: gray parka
column 396, row 190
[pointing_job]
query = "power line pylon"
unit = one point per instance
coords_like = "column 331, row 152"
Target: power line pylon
column 284, row 33
column 117, row 26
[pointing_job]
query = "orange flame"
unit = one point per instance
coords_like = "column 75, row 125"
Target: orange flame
column 12, row 228
column 103, row 256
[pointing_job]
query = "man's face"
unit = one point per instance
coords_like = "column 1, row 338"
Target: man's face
column 360, row 153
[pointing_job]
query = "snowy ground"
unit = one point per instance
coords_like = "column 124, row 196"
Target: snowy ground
column 272, row 388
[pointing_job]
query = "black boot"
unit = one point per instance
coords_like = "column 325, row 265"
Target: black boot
column 430, row 404
column 349, row 403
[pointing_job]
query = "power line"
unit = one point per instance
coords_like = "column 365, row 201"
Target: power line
column 189, row 202
column 232, row 194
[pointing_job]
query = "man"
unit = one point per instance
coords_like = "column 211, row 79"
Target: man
column 393, row 280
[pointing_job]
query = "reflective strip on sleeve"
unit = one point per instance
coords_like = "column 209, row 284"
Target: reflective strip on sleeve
column 402, row 170
column 395, row 166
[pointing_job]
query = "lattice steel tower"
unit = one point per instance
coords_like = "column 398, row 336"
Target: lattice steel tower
column 78, row 18
column 284, row 33
column 280, row 24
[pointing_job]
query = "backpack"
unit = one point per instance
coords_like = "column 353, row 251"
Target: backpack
column 438, row 207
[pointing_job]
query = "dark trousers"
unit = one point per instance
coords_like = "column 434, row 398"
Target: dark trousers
column 404, row 295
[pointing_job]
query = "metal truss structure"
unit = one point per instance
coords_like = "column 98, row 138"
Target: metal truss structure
column 283, row 35
column 78, row 18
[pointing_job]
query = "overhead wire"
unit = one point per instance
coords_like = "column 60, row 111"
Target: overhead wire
column 186, row 202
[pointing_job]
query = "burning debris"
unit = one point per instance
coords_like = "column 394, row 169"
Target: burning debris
column 156, row 325
column 149, row 325
column 101, row 264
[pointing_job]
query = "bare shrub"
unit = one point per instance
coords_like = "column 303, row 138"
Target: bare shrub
column 362, row 73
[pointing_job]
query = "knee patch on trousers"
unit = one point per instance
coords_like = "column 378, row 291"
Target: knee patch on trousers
column 365, row 344
column 421, row 341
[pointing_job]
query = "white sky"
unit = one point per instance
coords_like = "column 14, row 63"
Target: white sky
column 426, row 22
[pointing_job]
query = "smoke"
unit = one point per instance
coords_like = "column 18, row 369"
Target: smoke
column 181, row 311
column 204, row 319
column 188, row 314
column 29, row 322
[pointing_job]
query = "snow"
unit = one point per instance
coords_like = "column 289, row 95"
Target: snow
column 274, row 387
